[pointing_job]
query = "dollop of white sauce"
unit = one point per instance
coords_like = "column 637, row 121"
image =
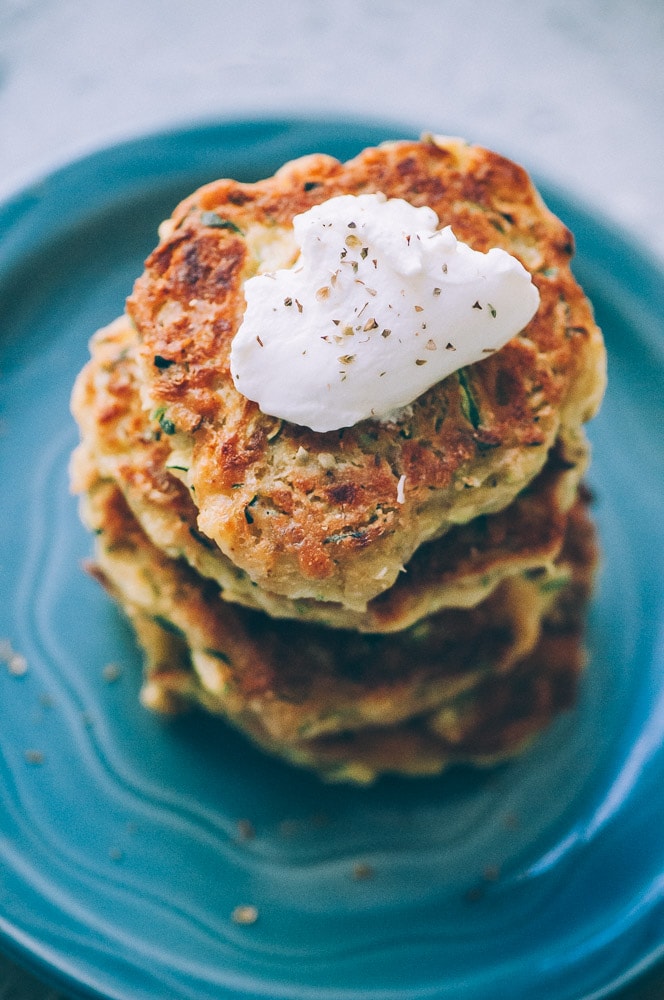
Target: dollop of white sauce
column 380, row 305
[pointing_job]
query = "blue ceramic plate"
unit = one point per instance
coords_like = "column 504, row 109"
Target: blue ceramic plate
column 123, row 837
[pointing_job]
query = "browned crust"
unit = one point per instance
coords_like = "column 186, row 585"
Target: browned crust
column 495, row 721
column 299, row 681
column 474, row 685
column 312, row 529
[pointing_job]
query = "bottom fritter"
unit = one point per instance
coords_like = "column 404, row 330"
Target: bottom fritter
column 461, row 685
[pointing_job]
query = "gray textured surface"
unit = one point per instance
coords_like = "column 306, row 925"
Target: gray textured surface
column 575, row 90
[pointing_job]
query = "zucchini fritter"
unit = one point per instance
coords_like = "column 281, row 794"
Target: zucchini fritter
column 321, row 516
column 122, row 444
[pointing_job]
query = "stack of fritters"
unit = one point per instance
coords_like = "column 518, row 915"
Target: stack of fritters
column 388, row 597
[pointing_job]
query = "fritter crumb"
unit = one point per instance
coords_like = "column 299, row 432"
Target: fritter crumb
column 244, row 914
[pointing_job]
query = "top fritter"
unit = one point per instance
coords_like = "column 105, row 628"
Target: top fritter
column 334, row 516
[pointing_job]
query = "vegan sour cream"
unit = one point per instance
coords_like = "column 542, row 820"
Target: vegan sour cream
column 380, row 305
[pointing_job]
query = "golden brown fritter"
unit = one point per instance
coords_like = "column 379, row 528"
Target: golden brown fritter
column 339, row 701
column 321, row 516
column 299, row 681
column 120, row 443
column 493, row 722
